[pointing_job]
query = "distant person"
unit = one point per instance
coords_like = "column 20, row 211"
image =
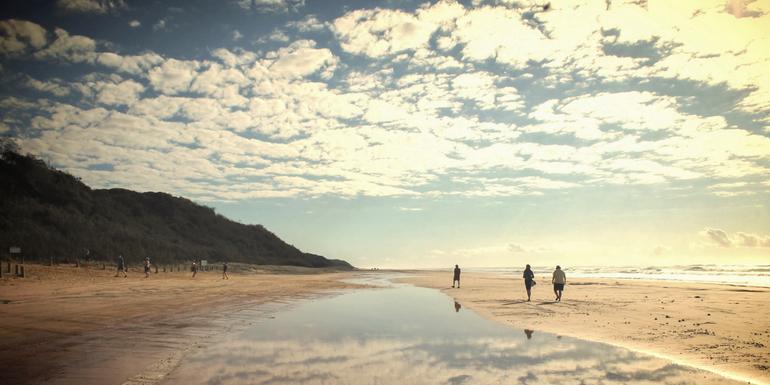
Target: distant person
column 146, row 267
column 224, row 271
column 121, row 267
column 529, row 281
column 194, row 269
column 559, row 279
column 456, row 277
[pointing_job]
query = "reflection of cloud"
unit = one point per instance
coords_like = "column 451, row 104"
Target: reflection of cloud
column 378, row 360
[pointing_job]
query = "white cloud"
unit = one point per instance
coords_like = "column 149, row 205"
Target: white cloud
column 380, row 32
column 237, row 35
column 66, row 47
column 740, row 239
column 132, row 64
column 309, row 23
column 124, row 93
column 54, row 87
column 159, row 25
column 90, row 6
column 271, row 6
column 19, row 35
column 302, row 58
column 134, row 24
column 173, row 76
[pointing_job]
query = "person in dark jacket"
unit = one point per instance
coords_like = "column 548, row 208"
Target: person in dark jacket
column 529, row 281
column 456, row 277
column 121, row 267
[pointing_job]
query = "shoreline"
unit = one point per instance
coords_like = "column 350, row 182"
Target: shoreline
column 719, row 328
column 66, row 325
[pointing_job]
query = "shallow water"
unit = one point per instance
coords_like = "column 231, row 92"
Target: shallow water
column 407, row 335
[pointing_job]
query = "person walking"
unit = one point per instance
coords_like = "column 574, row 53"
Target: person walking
column 121, row 267
column 559, row 279
column 224, row 271
column 194, row 269
column 456, row 277
column 146, row 267
column 529, row 281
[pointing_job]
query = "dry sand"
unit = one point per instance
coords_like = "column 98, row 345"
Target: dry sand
column 66, row 325
column 720, row 328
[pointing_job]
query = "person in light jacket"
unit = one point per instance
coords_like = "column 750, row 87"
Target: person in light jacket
column 559, row 280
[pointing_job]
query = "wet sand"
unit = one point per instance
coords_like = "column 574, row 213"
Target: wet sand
column 720, row 328
column 65, row 325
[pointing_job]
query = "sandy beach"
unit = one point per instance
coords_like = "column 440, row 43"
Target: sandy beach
column 719, row 328
column 66, row 325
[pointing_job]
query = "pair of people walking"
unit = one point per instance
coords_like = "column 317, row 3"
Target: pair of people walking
column 559, row 279
column 122, row 268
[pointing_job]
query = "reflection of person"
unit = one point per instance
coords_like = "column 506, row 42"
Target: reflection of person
column 194, row 269
column 146, row 267
column 528, row 332
column 559, row 279
column 121, row 267
column 224, row 271
column 529, row 281
column 456, row 277
column 457, row 307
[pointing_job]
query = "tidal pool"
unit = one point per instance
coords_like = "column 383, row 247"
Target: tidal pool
column 402, row 334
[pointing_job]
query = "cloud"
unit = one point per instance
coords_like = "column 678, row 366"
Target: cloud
column 173, row 76
column 271, row 6
column 71, row 48
column 379, row 32
column 309, row 23
column 160, row 24
column 90, row 6
column 134, row 24
column 54, row 87
column 131, row 64
column 752, row 240
column 237, row 35
column 718, row 237
column 740, row 239
column 123, row 93
column 302, row 58
column 410, row 208
column 660, row 250
column 18, row 36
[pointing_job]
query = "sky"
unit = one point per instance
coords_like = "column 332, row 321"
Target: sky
column 416, row 134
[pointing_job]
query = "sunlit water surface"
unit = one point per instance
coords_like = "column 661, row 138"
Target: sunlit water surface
column 402, row 334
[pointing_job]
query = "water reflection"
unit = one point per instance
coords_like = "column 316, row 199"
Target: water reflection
column 457, row 307
column 402, row 335
column 528, row 333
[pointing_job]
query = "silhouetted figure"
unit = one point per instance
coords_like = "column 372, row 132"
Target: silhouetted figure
column 121, row 267
column 528, row 333
column 146, row 267
column 529, row 281
column 224, row 271
column 456, row 277
column 194, row 269
column 457, row 307
column 559, row 279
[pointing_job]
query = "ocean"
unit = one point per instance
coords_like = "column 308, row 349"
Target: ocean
column 741, row 275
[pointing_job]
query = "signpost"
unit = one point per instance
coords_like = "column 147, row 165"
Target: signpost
column 17, row 250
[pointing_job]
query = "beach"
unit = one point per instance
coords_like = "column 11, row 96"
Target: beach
column 67, row 325
column 716, row 327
